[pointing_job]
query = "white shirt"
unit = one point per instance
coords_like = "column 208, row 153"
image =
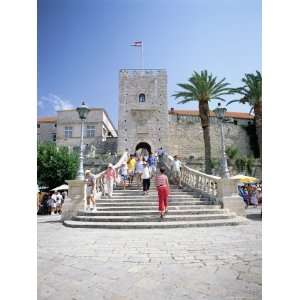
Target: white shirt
column 176, row 165
column 59, row 198
column 146, row 173
column 123, row 170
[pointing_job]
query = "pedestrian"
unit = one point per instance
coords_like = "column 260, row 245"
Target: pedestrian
column 152, row 161
column 253, row 198
column 146, row 178
column 109, row 179
column 139, row 169
column 160, row 153
column 59, row 199
column 162, row 187
column 53, row 200
column 90, row 191
column 176, row 170
column 124, row 174
column 131, row 168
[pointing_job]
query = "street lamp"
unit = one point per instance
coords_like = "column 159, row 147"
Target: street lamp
column 220, row 113
column 83, row 110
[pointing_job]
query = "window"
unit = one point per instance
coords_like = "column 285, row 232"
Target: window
column 54, row 137
column 90, row 131
column 142, row 98
column 55, row 125
column 68, row 132
column 38, row 126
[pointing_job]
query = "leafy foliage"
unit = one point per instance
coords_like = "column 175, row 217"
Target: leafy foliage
column 232, row 152
column 203, row 87
column 244, row 164
column 251, row 91
column 55, row 165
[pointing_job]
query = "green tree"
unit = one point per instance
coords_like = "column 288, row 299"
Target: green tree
column 55, row 164
column 251, row 93
column 231, row 152
column 203, row 88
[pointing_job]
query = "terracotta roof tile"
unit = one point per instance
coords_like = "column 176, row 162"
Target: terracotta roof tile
column 229, row 114
column 50, row 119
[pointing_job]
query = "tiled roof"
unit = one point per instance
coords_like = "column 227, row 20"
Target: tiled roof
column 229, row 114
column 46, row 119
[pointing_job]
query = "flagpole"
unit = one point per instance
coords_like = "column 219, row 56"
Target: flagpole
column 142, row 56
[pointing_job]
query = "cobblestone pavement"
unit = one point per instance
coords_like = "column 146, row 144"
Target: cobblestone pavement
column 194, row 263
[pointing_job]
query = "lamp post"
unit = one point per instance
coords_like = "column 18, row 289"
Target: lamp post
column 83, row 110
column 220, row 113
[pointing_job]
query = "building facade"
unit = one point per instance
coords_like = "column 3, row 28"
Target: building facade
column 65, row 128
column 46, row 129
column 97, row 127
column 143, row 110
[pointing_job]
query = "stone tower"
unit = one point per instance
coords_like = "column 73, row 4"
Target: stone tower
column 143, row 110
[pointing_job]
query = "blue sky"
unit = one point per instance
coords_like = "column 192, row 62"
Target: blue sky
column 82, row 44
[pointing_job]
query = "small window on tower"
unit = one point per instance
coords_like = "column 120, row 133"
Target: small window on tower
column 142, row 98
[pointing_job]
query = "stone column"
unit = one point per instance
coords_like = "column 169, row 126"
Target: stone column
column 229, row 197
column 75, row 200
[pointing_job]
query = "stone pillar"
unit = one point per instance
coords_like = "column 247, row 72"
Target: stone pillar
column 229, row 197
column 75, row 200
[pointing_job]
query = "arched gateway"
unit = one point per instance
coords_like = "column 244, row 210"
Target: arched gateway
column 144, row 148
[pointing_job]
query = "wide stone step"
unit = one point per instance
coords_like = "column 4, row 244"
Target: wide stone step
column 157, row 224
column 152, row 212
column 155, row 207
column 148, row 199
column 148, row 203
column 124, row 196
column 152, row 218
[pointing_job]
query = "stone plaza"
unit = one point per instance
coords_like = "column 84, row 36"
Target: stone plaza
column 215, row 263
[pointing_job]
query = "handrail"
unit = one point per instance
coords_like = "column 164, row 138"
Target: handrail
column 194, row 179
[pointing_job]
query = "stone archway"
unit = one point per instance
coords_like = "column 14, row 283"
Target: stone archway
column 145, row 147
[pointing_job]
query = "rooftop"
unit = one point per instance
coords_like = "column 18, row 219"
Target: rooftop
column 228, row 114
column 49, row 119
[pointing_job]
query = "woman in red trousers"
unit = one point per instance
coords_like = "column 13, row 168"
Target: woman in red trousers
column 162, row 186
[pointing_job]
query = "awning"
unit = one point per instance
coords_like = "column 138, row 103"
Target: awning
column 245, row 179
column 61, row 187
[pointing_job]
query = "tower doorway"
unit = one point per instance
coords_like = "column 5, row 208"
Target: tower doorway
column 143, row 149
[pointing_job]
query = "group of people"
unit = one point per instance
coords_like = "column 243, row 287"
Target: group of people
column 51, row 203
column 138, row 168
column 251, row 194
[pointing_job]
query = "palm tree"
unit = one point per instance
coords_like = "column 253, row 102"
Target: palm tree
column 203, row 88
column 251, row 94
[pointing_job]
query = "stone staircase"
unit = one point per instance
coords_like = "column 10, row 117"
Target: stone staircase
column 130, row 209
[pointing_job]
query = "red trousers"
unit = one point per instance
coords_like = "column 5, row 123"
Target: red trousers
column 163, row 193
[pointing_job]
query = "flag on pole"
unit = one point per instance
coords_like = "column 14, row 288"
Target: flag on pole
column 137, row 44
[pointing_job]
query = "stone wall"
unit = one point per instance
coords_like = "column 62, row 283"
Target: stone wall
column 186, row 137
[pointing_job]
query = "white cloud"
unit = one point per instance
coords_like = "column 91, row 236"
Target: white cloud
column 56, row 102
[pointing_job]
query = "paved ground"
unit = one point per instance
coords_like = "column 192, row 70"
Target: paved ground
column 194, row 263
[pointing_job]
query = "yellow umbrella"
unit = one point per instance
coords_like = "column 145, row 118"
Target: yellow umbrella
column 245, row 179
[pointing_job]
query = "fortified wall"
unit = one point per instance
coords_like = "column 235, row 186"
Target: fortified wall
column 186, row 137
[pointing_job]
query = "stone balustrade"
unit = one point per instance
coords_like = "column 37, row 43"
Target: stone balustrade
column 219, row 190
column 194, row 179
column 76, row 199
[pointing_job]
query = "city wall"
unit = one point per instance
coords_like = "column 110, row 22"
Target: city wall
column 186, row 137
